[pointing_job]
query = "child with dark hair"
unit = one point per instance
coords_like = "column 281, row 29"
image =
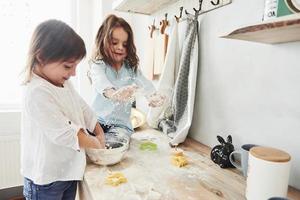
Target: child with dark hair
column 54, row 117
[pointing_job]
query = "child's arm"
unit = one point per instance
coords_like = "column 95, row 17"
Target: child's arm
column 106, row 88
column 42, row 110
column 123, row 94
column 146, row 87
column 154, row 98
column 98, row 77
column 87, row 141
column 90, row 118
column 98, row 131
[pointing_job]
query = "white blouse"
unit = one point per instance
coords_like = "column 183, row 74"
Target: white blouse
column 51, row 119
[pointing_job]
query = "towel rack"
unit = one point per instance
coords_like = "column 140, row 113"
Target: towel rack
column 216, row 4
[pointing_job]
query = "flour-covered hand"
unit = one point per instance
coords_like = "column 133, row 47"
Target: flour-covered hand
column 156, row 99
column 125, row 93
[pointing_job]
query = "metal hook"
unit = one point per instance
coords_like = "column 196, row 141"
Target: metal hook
column 181, row 9
column 153, row 22
column 200, row 5
column 152, row 28
column 186, row 12
column 180, row 14
column 164, row 23
column 213, row 3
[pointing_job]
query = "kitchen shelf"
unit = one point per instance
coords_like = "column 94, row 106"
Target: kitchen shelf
column 147, row 7
column 280, row 30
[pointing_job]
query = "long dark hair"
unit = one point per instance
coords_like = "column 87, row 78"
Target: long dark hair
column 104, row 38
column 53, row 41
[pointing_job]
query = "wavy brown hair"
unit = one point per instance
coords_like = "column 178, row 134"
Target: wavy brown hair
column 53, row 41
column 104, row 38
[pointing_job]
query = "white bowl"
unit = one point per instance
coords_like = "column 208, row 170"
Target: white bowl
column 107, row 156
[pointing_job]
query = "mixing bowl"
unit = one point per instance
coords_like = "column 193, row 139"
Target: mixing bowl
column 112, row 154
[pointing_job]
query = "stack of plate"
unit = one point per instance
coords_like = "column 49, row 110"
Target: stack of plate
column 137, row 118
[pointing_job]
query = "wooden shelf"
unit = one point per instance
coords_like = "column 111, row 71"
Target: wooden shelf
column 147, row 7
column 280, row 30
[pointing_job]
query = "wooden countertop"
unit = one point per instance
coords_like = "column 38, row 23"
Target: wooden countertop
column 150, row 174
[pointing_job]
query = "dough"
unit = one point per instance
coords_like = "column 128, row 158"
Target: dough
column 115, row 179
column 179, row 160
column 148, row 146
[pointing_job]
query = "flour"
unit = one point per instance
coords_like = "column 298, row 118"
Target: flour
column 150, row 174
column 153, row 195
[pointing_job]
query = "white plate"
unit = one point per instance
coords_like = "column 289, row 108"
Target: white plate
column 137, row 118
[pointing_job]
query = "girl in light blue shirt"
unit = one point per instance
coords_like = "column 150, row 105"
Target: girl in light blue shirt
column 115, row 78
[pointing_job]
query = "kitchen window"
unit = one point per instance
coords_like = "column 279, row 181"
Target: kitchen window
column 18, row 19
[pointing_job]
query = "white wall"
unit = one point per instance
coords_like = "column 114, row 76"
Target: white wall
column 249, row 90
column 10, row 122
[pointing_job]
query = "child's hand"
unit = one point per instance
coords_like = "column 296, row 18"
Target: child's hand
column 99, row 134
column 156, row 99
column 101, row 140
column 125, row 93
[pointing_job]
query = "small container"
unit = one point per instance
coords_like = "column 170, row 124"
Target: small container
column 270, row 9
column 268, row 173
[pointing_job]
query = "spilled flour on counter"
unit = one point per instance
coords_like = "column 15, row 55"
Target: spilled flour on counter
column 150, row 174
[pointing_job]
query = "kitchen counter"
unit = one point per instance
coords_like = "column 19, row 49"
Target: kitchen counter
column 151, row 175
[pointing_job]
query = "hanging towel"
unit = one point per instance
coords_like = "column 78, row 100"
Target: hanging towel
column 156, row 51
column 167, row 79
column 160, row 49
column 149, row 64
column 177, row 124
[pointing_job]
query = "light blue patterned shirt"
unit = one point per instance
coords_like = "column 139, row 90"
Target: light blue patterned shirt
column 111, row 112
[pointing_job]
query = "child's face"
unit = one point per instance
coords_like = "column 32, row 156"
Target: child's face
column 58, row 72
column 119, row 44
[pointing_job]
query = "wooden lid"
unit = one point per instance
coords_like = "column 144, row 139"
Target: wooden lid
column 270, row 154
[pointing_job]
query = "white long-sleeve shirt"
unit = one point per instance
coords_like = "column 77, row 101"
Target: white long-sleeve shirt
column 51, row 119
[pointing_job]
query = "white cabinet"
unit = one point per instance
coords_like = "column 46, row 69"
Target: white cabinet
column 141, row 6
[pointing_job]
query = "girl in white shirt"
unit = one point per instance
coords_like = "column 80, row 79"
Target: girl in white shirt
column 55, row 119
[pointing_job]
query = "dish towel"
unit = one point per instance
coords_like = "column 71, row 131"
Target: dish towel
column 148, row 69
column 156, row 49
column 160, row 49
column 167, row 79
column 178, row 118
